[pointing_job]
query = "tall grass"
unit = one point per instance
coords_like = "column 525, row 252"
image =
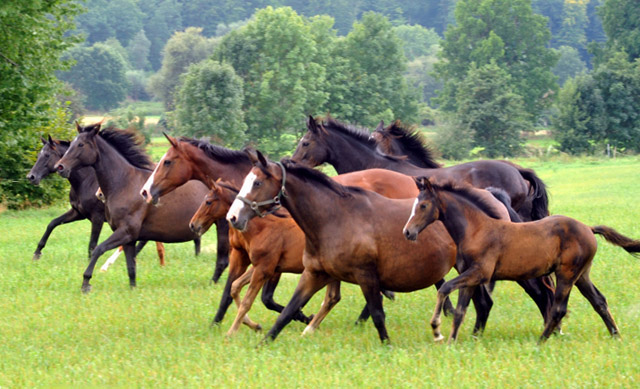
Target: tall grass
column 159, row 333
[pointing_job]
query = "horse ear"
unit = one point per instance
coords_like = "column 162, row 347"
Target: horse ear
column 256, row 157
column 96, row 127
column 50, row 141
column 312, row 125
column 44, row 141
column 171, row 139
column 78, row 128
column 423, row 183
column 212, row 183
column 380, row 127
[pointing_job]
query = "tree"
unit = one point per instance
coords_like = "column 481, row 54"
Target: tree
column 508, row 33
column 99, row 74
column 163, row 17
column 581, row 119
column 622, row 26
column 574, row 24
column 417, row 41
column 183, row 49
column 33, row 35
column 138, row 51
column 209, row 103
column 569, row 65
column 275, row 56
column 491, row 110
column 120, row 19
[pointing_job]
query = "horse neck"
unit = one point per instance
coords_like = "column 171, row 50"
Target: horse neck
column 348, row 154
column 312, row 206
column 113, row 171
column 460, row 218
column 205, row 167
column 83, row 177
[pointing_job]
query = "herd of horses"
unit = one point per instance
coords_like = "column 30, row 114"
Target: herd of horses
column 392, row 220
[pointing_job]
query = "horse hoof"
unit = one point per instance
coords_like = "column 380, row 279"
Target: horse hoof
column 258, row 328
column 36, row 256
column 438, row 338
column 86, row 288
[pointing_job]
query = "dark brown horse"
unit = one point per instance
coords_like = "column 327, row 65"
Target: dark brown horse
column 351, row 235
column 122, row 167
column 499, row 250
column 349, row 149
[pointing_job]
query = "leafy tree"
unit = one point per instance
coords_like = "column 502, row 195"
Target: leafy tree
column 33, row 35
column 581, row 119
column 99, row 74
column 491, row 110
column 417, row 41
column 508, row 33
column 574, row 23
column 209, row 103
column 162, row 18
column 274, row 55
column 138, row 81
column 569, row 65
column 120, row 19
column 622, row 26
column 138, row 51
column 420, row 76
column 183, row 49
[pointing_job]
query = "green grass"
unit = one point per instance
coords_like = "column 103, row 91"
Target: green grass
column 159, row 334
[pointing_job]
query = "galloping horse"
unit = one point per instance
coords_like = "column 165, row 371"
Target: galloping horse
column 499, row 250
column 399, row 142
column 349, row 149
column 351, row 235
column 121, row 168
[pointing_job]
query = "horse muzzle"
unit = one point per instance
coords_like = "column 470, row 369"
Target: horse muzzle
column 410, row 235
column 33, row 179
column 63, row 170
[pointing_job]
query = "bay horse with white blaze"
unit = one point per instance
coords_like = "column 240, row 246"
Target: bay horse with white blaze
column 499, row 250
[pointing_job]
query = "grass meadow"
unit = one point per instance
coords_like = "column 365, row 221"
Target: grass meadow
column 159, row 333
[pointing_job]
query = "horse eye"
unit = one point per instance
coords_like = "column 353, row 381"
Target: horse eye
column 423, row 206
column 257, row 183
column 80, row 144
column 209, row 202
column 305, row 144
column 167, row 162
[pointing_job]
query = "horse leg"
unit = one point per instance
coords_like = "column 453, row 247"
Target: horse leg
column 559, row 307
column 236, row 288
column 130, row 255
column 96, row 228
column 482, row 302
column 160, row 250
column 239, row 261
column 196, row 245
column 222, row 259
column 268, row 289
column 119, row 237
column 364, row 315
column 598, row 302
column 69, row 216
column 448, row 306
column 257, row 280
column 540, row 289
column 370, row 286
column 140, row 246
column 111, row 260
column 472, row 276
column 464, row 296
column 310, row 282
column 331, row 298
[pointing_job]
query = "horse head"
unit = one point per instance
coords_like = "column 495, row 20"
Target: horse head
column 82, row 151
column 426, row 209
column 51, row 152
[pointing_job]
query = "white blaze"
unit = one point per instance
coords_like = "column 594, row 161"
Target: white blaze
column 413, row 213
column 237, row 205
column 147, row 185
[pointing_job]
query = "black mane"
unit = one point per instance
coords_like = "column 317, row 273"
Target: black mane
column 468, row 193
column 315, row 175
column 216, row 152
column 129, row 145
column 412, row 143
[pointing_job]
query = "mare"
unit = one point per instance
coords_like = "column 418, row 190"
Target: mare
column 188, row 159
column 112, row 259
column 274, row 243
column 349, row 149
column 84, row 204
column 500, row 250
column 121, row 168
column 351, row 235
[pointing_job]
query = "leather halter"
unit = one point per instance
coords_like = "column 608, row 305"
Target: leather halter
column 255, row 205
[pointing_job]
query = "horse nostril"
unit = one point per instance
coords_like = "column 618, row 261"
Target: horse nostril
column 144, row 193
column 60, row 167
column 233, row 219
column 31, row 177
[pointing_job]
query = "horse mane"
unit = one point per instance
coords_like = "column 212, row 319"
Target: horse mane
column 64, row 143
column 216, row 152
column 129, row 145
column 413, row 142
column 468, row 193
column 314, row 175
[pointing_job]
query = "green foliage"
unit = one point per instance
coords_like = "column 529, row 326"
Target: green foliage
column 494, row 114
column 508, row 33
column 209, row 103
column 99, row 74
column 138, row 51
column 417, row 41
column 569, row 64
column 33, row 35
column 622, row 26
column 120, row 19
column 454, row 140
column 183, row 49
column 581, row 119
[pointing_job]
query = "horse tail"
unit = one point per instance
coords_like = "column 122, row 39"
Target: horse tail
column 616, row 238
column 538, row 191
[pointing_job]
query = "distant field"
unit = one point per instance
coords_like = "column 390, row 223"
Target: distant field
column 159, row 335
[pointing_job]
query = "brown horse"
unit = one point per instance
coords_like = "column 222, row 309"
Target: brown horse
column 500, row 250
column 122, row 167
column 351, row 235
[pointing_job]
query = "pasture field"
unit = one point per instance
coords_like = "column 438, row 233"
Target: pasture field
column 159, row 333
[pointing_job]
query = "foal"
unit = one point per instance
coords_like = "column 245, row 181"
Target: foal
column 499, row 250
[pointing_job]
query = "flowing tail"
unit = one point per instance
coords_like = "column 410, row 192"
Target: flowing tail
column 616, row 238
column 540, row 202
